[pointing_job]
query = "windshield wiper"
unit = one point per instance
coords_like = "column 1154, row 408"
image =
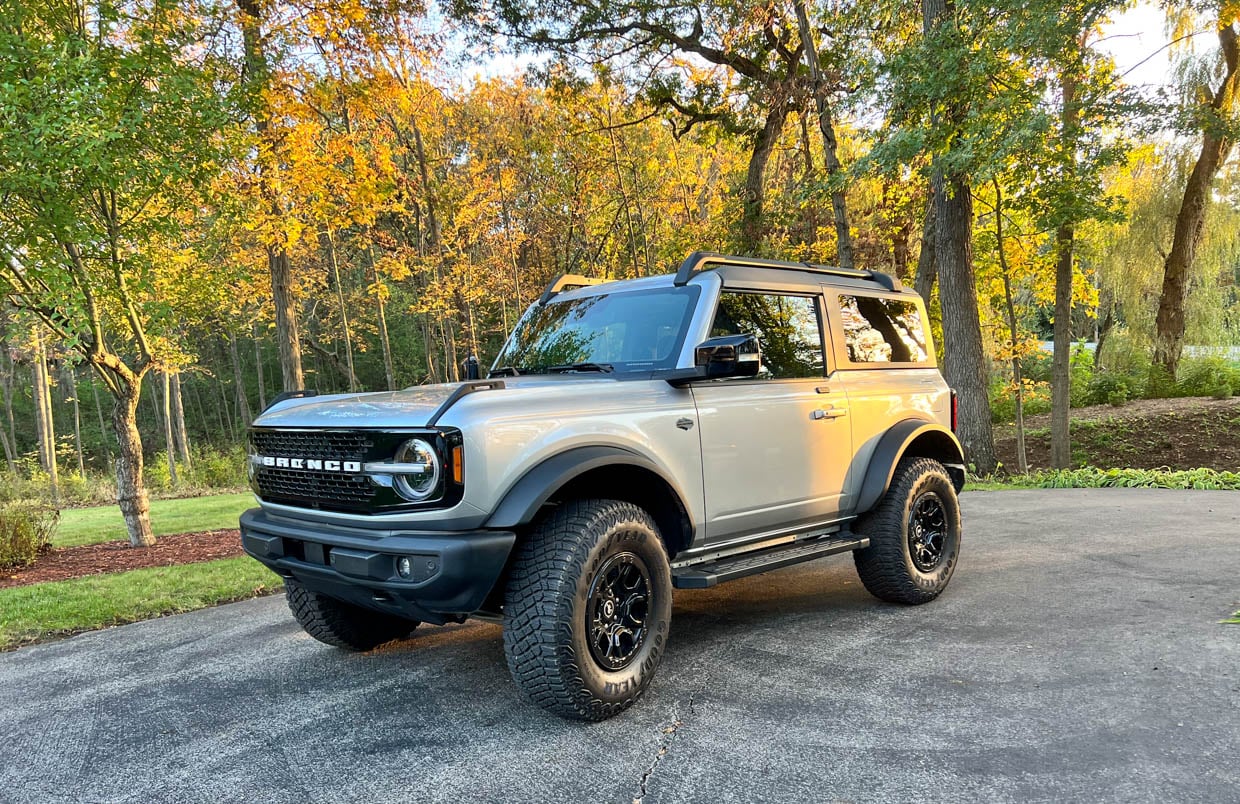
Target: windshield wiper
column 604, row 368
column 503, row 371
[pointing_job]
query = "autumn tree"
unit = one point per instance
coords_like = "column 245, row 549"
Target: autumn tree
column 1211, row 111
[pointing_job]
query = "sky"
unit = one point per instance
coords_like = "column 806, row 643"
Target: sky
column 1134, row 40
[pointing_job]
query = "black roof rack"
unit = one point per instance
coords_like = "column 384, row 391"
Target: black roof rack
column 705, row 260
column 569, row 282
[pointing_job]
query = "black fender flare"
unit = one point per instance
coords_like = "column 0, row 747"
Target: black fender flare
column 891, row 448
column 521, row 503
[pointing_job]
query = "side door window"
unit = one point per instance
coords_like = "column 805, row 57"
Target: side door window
column 788, row 328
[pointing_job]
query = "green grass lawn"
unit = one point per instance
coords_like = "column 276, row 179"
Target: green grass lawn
column 34, row 612
column 103, row 523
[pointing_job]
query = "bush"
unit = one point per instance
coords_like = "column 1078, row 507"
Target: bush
column 26, row 531
column 1109, row 389
column 1208, row 376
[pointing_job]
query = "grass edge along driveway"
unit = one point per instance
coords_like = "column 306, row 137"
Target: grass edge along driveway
column 40, row 611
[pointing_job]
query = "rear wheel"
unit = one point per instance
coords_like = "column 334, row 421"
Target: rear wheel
column 914, row 534
column 587, row 608
column 343, row 625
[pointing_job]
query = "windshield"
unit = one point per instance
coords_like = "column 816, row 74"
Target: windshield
column 639, row 330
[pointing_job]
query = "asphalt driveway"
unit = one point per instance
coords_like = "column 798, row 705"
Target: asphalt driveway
column 1077, row 655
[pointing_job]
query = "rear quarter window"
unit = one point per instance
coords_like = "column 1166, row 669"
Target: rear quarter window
column 883, row 331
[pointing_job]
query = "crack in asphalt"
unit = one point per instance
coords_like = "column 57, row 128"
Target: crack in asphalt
column 669, row 734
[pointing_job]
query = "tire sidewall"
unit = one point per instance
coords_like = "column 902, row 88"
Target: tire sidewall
column 940, row 484
column 620, row 687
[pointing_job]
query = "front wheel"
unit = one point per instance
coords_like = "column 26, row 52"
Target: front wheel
column 914, row 534
column 343, row 625
column 587, row 608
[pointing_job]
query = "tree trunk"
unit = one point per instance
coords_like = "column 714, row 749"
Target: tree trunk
column 1022, row 460
column 258, row 367
column 44, row 420
column 179, row 436
column 6, row 388
column 839, row 203
column 1061, row 362
column 385, row 342
column 330, row 244
column 169, row 442
column 753, row 230
column 69, row 376
column 130, row 488
column 286, row 321
column 927, row 265
column 964, row 361
column 243, row 401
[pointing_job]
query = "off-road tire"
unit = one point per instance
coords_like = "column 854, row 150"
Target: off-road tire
column 887, row 567
column 548, row 597
column 342, row 625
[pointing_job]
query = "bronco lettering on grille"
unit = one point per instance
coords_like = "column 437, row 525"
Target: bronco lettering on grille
column 312, row 464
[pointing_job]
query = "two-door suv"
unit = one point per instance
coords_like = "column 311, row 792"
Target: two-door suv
column 632, row 437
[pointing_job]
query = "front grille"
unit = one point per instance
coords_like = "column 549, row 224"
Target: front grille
column 327, row 490
column 338, row 445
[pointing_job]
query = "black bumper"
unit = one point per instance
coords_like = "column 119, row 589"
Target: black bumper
column 452, row 572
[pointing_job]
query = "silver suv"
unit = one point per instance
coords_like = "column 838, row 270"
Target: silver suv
column 632, row 437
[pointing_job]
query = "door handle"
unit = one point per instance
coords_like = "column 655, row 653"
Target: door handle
column 828, row 413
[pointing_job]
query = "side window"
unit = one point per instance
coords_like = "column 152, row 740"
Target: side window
column 788, row 329
column 882, row 330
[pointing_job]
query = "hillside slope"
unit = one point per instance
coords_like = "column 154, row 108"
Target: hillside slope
column 1189, row 433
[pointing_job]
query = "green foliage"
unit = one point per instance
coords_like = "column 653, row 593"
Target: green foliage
column 26, row 531
column 210, row 469
column 39, row 611
column 1091, row 478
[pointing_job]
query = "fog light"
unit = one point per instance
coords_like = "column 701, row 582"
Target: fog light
column 404, row 567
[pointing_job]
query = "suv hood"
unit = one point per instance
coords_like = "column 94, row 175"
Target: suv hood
column 412, row 407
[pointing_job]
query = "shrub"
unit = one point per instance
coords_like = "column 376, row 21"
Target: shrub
column 1208, row 376
column 1108, row 388
column 26, row 531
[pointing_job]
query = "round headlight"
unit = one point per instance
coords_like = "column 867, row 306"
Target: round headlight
column 422, row 483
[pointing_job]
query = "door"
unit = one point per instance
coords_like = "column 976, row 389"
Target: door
column 775, row 447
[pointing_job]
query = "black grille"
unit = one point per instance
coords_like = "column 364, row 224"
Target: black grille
column 330, row 490
column 327, row 444
column 326, row 489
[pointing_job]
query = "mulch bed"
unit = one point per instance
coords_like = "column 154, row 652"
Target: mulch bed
column 97, row 559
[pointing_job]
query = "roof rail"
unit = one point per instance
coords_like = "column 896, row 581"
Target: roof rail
column 569, row 282
column 705, row 260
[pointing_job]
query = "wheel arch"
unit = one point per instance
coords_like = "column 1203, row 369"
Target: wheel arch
column 910, row 437
column 599, row 472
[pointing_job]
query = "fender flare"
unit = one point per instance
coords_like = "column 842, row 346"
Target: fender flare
column 891, row 448
column 521, row 503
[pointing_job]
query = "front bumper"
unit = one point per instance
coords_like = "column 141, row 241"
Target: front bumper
column 453, row 572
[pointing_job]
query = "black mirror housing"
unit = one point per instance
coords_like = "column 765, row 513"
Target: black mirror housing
column 722, row 357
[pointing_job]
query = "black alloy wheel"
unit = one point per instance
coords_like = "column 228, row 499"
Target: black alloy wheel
column 618, row 609
column 927, row 531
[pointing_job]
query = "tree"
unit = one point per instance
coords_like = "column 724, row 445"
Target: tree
column 965, row 367
column 1214, row 115
column 107, row 124
column 751, row 83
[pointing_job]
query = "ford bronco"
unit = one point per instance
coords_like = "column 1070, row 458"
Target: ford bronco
column 631, row 437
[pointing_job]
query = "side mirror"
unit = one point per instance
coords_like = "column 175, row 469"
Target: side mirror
column 725, row 356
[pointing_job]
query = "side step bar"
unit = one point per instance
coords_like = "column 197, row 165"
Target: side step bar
column 702, row 576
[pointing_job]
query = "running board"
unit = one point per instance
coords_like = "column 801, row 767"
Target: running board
column 702, row 576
